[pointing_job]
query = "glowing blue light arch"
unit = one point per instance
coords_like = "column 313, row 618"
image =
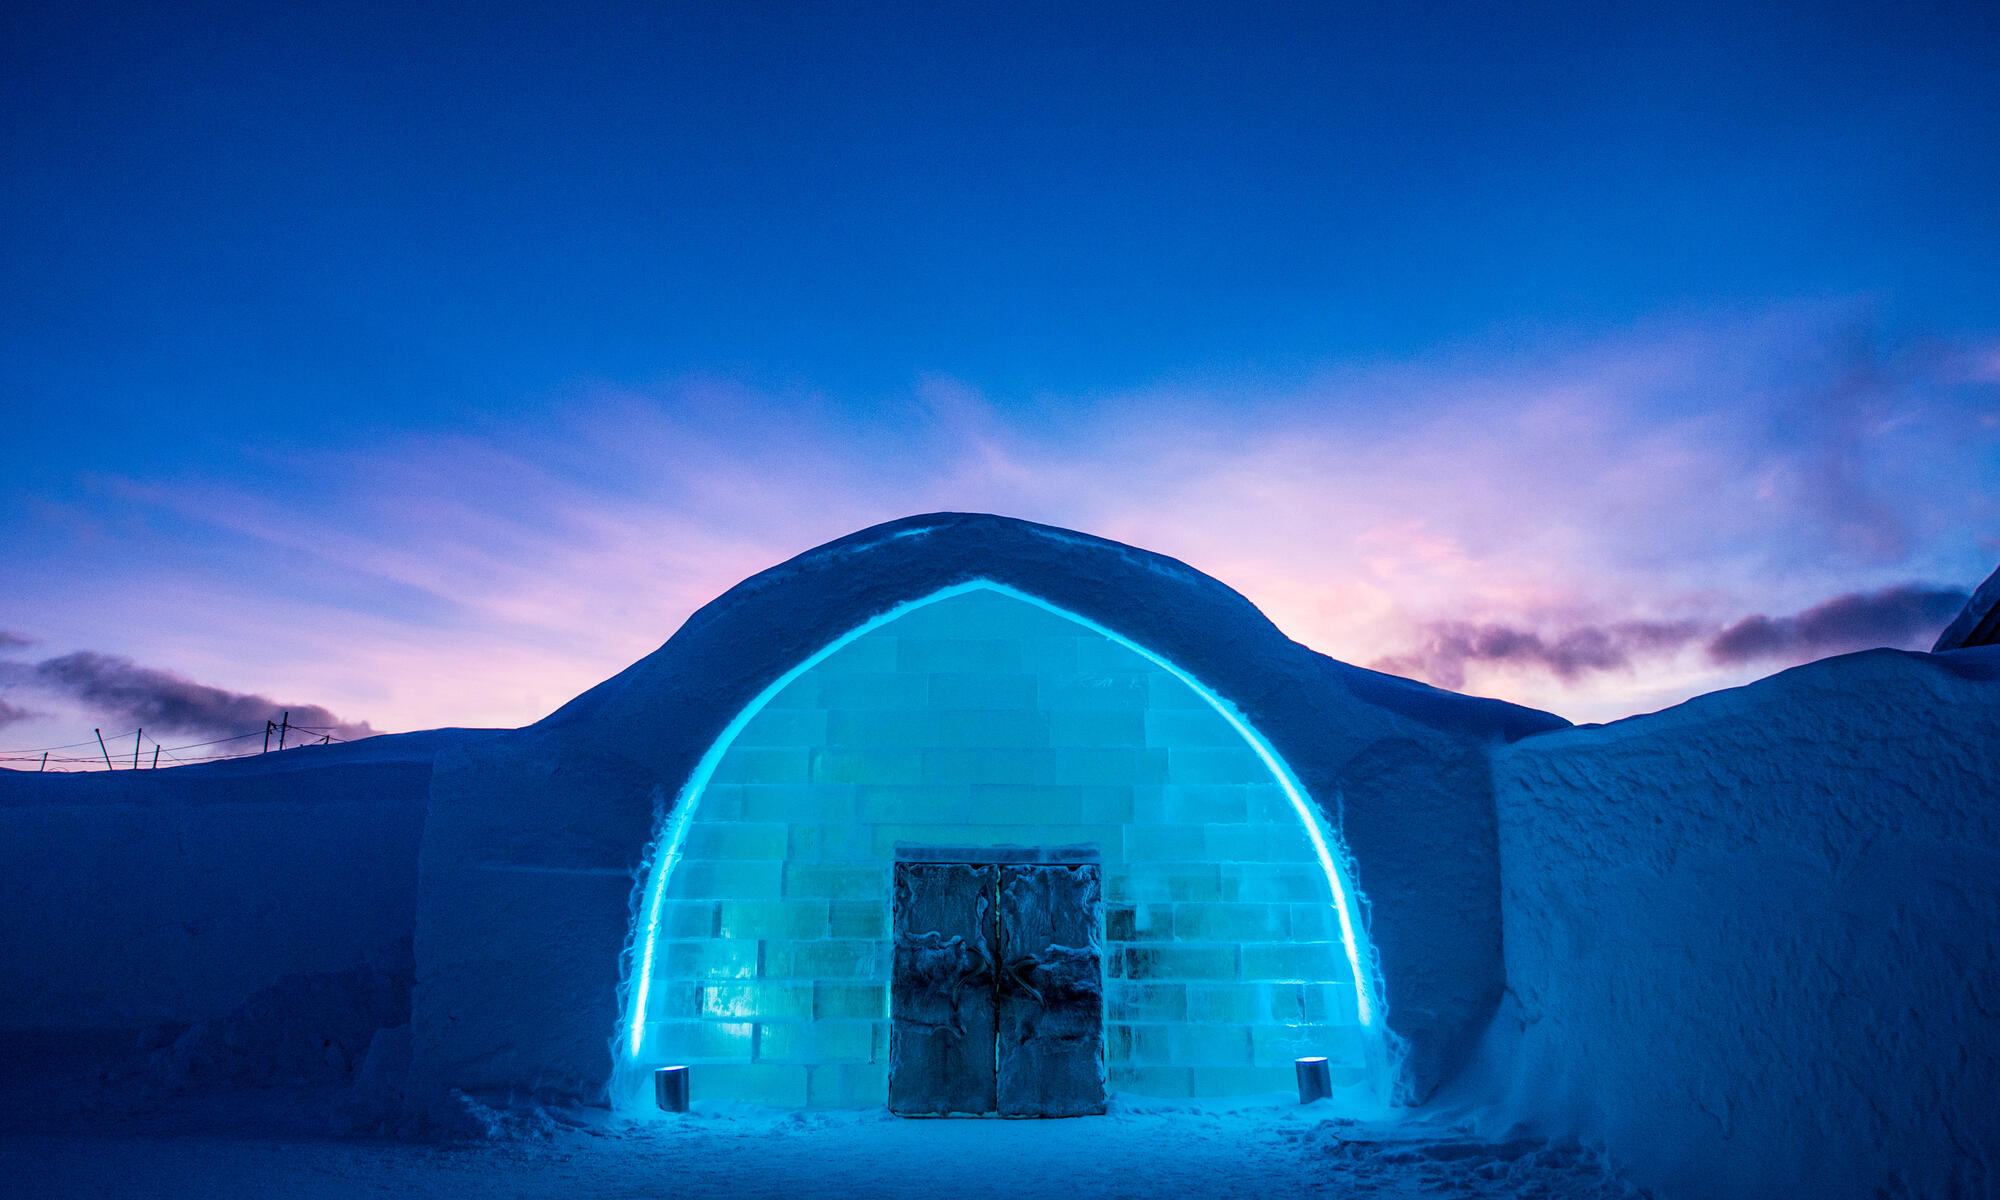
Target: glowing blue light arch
column 668, row 853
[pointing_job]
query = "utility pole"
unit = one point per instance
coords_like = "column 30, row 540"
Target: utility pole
column 45, row 760
column 101, row 749
column 136, row 735
column 284, row 728
column 268, row 727
column 156, row 756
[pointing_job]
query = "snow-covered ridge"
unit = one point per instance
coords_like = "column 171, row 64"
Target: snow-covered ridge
column 210, row 782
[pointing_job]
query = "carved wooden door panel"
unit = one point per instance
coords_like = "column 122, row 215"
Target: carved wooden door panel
column 1051, row 992
column 997, row 1000
column 941, row 1015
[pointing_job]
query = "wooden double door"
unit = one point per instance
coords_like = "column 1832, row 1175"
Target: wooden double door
column 997, row 1001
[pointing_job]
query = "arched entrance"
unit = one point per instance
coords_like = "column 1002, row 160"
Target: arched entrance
column 984, row 719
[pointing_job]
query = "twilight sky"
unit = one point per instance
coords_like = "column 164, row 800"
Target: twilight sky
column 420, row 364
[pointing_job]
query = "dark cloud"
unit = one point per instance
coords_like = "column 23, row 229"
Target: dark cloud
column 14, row 641
column 1908, row 615
column 1449, row 645
column 10, row 713
column 1899, row 616
column 124, row 692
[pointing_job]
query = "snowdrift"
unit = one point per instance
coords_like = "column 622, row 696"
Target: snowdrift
column 1753, row 942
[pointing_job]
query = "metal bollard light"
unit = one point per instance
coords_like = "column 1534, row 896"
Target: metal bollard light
column 1315, row 1080
column 670, row 1088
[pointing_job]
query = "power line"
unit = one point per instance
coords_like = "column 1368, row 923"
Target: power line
column 45, row 755
column 12, row 754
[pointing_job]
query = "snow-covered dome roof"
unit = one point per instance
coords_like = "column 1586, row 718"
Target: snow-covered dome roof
column 760, row 627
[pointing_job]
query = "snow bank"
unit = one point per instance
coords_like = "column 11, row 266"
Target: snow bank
column 139, row 897
column 1753, row 942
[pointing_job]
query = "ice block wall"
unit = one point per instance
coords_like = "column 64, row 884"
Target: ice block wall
column 980, row 720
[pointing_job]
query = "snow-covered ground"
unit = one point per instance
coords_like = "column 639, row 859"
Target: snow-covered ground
column 87, row 1121
column 1263, row 1153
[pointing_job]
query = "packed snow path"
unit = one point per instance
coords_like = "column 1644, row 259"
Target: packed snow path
column 1262, row 1152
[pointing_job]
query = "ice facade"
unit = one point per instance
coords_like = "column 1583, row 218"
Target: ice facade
column 1749, row 946
column 984, row 720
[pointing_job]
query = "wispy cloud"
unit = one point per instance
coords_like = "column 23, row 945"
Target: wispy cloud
column 1567, row 527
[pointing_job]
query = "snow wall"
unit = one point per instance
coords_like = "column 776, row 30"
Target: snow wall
column 545, row 832
column 1753, row 941
column 129, row 898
